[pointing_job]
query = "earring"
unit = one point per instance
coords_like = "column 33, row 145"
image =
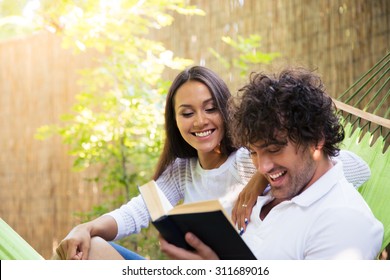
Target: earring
column 217, row 149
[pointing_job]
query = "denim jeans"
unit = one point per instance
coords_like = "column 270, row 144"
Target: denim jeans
column 126, row 253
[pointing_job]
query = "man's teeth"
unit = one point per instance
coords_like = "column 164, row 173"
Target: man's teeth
column 203, row 133
column 276, row 176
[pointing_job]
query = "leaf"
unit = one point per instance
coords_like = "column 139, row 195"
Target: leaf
column 245, row 54
column 220, row 58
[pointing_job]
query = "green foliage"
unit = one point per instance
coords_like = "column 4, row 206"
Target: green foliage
column 246, row 54
column 117, row 121
column 12, row 22
column 146, row 244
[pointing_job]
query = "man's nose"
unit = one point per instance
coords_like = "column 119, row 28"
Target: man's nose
column 264, row 164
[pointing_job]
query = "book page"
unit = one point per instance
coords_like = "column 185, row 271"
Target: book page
column 200, row 207
column 155, row 200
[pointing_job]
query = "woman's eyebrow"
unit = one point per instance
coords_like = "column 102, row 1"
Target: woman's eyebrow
column 204, row 102
column 208, row 100
column 185, row 106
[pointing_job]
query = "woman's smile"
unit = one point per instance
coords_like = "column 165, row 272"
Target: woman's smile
column 203, row 133
column 198, row 119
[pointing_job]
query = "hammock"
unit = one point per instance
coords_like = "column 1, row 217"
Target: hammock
column 367, row 135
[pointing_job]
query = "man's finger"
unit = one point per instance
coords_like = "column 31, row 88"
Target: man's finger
column 203, row 250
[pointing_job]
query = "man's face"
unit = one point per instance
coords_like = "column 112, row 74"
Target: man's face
column 289, row 169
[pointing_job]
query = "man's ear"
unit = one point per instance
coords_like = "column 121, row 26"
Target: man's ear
column 320, row 145
column 317, row 152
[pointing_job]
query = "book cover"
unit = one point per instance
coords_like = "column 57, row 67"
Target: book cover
column 206, row 219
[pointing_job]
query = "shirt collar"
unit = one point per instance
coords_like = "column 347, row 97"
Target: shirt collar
column 322, row 186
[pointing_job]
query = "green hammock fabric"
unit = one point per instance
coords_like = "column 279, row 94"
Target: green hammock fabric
column 370, row 93
column 376, row 191
column 13, row 246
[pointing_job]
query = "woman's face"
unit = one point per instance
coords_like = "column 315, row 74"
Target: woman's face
column 197, row 117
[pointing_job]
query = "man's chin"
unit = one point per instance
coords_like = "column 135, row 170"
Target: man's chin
column 276, row 192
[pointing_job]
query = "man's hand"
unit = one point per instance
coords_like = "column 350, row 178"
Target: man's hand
column 202, row 251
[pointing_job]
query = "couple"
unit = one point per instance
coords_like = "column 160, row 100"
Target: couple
column 290, row 132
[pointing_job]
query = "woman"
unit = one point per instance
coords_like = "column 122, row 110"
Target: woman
column 198, row 162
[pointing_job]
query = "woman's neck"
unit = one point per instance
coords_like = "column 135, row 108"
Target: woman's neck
column 211, row 160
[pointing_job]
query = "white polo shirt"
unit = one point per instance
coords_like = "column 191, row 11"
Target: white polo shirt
column 329, row 220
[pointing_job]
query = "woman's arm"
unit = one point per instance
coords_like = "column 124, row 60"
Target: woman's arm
column 356, row 170
column 134, row 215
column 77, row 243
column 246, row 200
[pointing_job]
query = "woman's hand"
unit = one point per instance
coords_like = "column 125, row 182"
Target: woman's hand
column 246, row 200
column 75, row 245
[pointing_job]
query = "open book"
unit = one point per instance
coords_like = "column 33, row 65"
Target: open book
column 206, row 219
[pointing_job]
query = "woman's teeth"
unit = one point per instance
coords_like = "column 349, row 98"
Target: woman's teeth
column 203, row 133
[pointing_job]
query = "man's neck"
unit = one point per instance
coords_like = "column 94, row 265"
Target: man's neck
column 268, row 207
column 324, row 165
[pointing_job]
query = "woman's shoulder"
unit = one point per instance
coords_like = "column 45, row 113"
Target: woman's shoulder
column 242, row 155
column 180, row 163
column 243, row 162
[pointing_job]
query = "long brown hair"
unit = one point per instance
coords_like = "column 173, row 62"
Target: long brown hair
column 175, row 146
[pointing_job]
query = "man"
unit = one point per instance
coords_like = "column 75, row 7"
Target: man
column 289, row 125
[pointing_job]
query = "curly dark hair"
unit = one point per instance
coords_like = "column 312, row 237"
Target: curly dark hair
column 293, row 103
